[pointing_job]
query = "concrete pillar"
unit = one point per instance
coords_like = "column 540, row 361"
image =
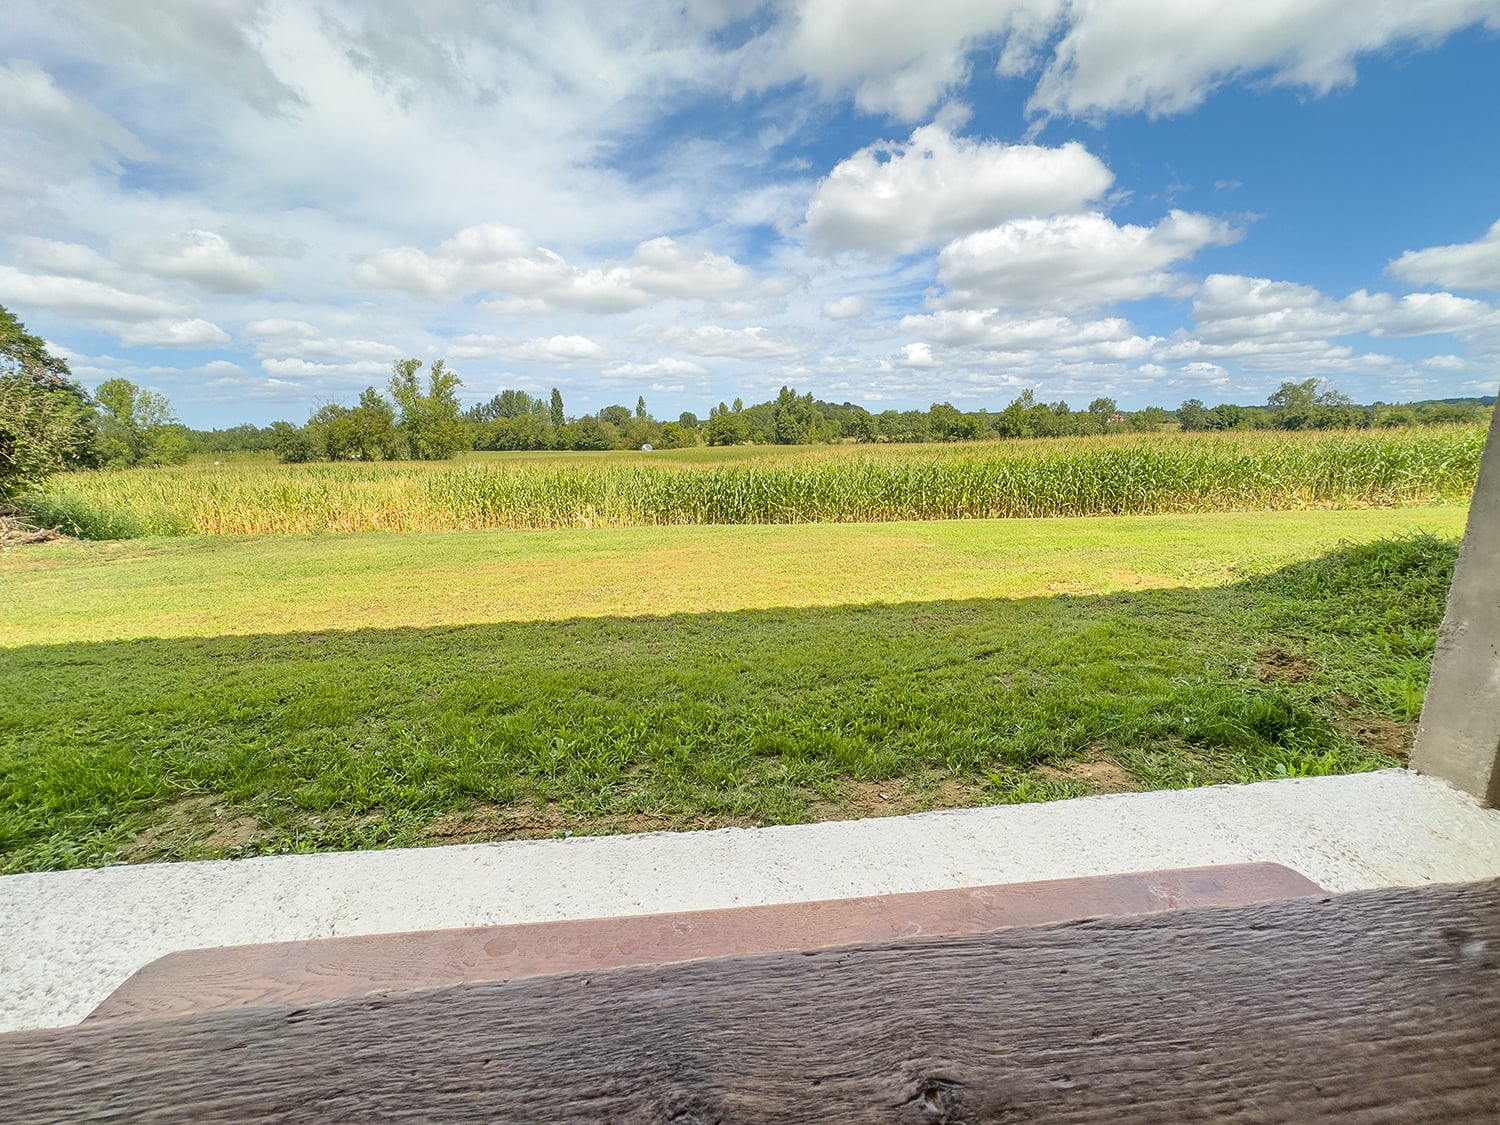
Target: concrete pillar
column 1458, row 738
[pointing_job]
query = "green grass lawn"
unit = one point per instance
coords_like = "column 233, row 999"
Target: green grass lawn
column 186, row 698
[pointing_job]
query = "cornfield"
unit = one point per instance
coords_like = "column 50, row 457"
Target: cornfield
column 1091, row 476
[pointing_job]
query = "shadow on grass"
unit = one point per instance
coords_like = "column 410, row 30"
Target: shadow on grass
column 186, row 748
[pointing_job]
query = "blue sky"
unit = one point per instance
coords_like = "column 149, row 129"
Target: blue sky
column 256, row 206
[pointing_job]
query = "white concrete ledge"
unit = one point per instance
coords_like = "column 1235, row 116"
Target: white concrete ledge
column 67, row 939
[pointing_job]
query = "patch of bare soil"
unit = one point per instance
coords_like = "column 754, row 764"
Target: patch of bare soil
column 490, row 821
column 1103, row 774
column 1386, row 736
column 857, row 800
column 1275, row 663
column 195, row 824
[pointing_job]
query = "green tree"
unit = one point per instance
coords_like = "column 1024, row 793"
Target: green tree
column 429, row 420
column 589, row 434
column 1192, row 416
column 615, row 415
column 137, row 426
column 1017, row 419
column 555, row 410
column 507, row 404
column 41, row 428
column 1103, row 411
column 794, row 418
column 366, row 432
column 725, row 426
column 1310, row 405
column 291, row 444
column 862, row 427
column 674, row 435
column 47, row 422
column 1225, row 416
column 945, row 421
column 21, row 353
column 640, row 408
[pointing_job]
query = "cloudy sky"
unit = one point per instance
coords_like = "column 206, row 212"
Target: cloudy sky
column 255, row 206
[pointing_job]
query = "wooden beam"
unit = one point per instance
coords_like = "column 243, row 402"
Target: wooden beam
column 1373, row 1006
column 307, row 972
column 1458, row 738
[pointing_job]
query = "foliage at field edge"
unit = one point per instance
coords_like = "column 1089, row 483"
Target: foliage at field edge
column 1133, row 474
column 153, row 749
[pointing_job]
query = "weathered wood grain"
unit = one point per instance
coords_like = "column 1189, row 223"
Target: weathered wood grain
column 306, row 972
column 1380, row 1006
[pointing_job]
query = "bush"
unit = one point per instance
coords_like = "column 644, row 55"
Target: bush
column 42, row 428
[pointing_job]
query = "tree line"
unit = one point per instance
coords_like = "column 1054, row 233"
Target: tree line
column 50, row 423
column 518, row 420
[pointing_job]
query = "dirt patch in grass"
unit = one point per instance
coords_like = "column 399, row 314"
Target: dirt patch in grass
column 1375, row 731
column 1102, row 774
column 489, row 821
column 857, row 800
column 1276, row 663
column 193, row 826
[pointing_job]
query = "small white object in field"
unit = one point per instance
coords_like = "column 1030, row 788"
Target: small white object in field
column 218, row 462
column 646, row 448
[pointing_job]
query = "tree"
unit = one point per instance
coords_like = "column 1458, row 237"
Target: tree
column 725, row 426
column 555, row 410
column 1103, row 411
column 861, row 426
column 588, row 434
column 429, row 420
column 1225, row 416
column 674, row 435
column 615, row 415
column 793, row 418
column 364, row 433
column 21, row 353
column 507, row 404
column 1310, row 405
column 1192, row 416
column 640, row 408
column 291, row 444
column 47, row 422
column 945, row 421
column 137, row 426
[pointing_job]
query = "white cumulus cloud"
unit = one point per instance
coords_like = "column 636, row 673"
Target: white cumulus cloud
column 194, row 333
column 898, row 198
column 667, row 368
column 1463, row 265
column 754, row 342
column 1166, row 56
column 82, row 297
column 201, row 257
column 556, row 349
column 898, row 57
column 492, row 258
column 846, row 308
column 1074, row 261
column 997, row 331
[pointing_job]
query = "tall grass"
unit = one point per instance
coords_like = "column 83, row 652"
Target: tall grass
column 1095, row 476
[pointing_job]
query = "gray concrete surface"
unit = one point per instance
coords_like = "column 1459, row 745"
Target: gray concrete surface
column 67, row 939
column 1458, row 738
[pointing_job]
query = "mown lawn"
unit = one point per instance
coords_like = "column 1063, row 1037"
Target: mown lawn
column 192, row 698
